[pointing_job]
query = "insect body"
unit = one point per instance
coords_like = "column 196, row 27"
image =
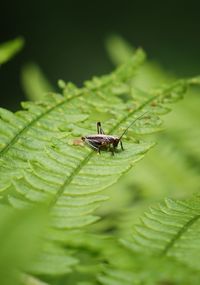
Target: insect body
column 100, row 141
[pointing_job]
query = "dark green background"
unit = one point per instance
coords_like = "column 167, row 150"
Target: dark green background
column 66, row 38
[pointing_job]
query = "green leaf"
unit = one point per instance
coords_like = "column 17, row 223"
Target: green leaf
column 20, row 240
column 106, row 260
column 118, row 49
column 53, row 260
column 172, row 168
column 34, row 83
column 10, row 48
column 41, row 161
column 144, row 271
column 64, row 169
column 31, row 280
column 169, row 168
column 150, row 75
column 64, row 173
column 172, row 230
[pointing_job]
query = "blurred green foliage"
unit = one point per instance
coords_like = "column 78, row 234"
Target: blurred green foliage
column 105, row 251
column 20, row 239
column 10, row 48
column 34, row 83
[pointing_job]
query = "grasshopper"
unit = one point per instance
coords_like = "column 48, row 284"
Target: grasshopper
column 101, row 141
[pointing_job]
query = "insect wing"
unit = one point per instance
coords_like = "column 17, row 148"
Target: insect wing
column 99, row 128
column 97, row 141
column 91, row 144
column 94, row 141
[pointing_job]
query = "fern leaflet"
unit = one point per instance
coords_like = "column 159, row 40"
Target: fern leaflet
column 172, row 230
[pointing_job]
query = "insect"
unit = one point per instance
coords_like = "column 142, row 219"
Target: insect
column 101, row 141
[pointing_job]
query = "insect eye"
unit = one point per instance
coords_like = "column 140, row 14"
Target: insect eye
column 83, row 138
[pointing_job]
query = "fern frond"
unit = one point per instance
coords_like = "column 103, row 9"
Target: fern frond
column 111, row 263
column 169, row 169
column 172, row 230
column 40, row 163
column 10, row 48
column 23, row 135
column 64, row 171
column 65, row 174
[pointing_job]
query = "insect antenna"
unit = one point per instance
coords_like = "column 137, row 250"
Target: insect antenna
column 131, row 125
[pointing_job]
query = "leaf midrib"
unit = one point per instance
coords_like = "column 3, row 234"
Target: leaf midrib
column 179, row 234
column 92, row 152
column 28, row 126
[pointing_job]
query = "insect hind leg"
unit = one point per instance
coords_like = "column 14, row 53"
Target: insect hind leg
column 92, row 146
column 99, row 128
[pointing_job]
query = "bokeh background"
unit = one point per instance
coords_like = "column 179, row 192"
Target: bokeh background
column 66, row 38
